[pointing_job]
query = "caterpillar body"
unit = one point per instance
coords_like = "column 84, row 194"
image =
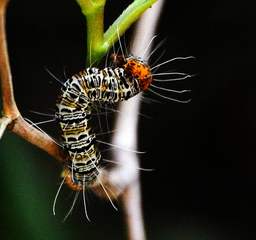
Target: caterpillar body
column 75, row 105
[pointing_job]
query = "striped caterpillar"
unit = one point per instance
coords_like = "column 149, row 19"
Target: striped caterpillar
column 74, row 109
column 80, row 94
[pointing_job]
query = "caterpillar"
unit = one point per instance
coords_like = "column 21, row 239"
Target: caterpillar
column 79, row 95
column 74, row 108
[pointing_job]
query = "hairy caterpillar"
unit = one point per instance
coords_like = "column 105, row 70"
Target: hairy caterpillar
column 74, row 108
column 85, row 90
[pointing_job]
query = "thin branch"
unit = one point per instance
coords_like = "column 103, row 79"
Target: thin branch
column 10, row 110
column 41, row 140
column 11, row 117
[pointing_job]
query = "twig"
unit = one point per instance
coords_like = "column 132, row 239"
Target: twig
column 11, row 117
column 25, row 130
column 10, row 110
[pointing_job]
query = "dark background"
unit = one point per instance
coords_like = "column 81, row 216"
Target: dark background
column 203, row 152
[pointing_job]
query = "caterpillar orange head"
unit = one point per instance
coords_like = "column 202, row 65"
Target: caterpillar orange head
column 140, row 70
column 135, row 68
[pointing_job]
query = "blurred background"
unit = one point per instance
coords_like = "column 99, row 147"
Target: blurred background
column 203, row 152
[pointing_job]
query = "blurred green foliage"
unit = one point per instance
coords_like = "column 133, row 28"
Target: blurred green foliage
column 29, row 183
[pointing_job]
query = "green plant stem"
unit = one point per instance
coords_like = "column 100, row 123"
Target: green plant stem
column 94, row 37
column 125, row 20
column 93, row 10
column 98, row 43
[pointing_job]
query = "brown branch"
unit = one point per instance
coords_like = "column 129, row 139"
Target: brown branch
column 9, row 106
column 25, row 130
column 11, row 117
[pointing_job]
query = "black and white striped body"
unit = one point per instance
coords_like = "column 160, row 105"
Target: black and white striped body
column 79, row 94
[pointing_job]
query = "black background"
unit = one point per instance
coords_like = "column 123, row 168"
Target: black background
column 203, row 151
